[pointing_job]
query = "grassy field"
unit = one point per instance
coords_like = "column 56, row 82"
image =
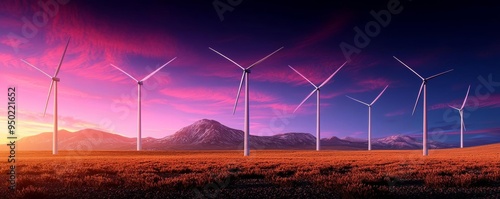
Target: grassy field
column 457, row 173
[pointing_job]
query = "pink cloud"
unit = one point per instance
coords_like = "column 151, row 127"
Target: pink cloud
column 42, row 83
column 494, row 130
column 395, row 113
column 195, row 110
column 221, row 95
column 374, row 84
column 277, row 106
column 112, row 37
column 421, row 60
column 493, row 101
column 367, row 85
column 317, row 73
column 317, row 65
column 7, row 59
column 19, row 7
column 94, row 44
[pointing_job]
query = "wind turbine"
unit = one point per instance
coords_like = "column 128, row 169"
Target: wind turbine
column 370, row 116
column 139, row 86
column 424, row 88
column 316, row 89
column 462, row 124
column 244, row 77
column 53, row 84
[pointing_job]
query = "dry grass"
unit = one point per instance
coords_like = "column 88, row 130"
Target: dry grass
column 470, row 172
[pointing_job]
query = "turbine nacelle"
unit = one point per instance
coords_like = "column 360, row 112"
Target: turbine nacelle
column 56, row 79
column 140, row 83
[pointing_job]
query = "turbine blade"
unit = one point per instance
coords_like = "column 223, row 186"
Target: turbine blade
column 305, row 99
column 125, row 72
column 48, row 97
column 408, row 67
column 239, row 91
column 331, row 76
column 150, row 75
column 261, row 60
column 465, row 100
column 434, row 76
column 358, row 100
column 36, row 68
column 379, row 95
column 302, row 75
column 418, row 97
column 226, row 58
column 62, row 58
column 454, row 107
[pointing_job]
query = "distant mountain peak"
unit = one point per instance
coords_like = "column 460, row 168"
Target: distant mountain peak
column 353, row 139
column 205, row 121
column 211, row 134
column 205, row 131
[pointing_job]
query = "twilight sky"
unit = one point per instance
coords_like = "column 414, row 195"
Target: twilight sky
column 139, row 37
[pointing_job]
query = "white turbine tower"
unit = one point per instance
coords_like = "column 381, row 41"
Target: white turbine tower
column 462, row 124
column 244, row 77
column 316, row 89
column 424, row 88
column 370, row 116
column 53, row 84
column 139, row 86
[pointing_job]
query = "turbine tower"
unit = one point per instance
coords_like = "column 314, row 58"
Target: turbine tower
column 139, row 86
column 316, row 89
column 462, row 124
column 244, row 77
column 424, row 88
column 370, row 116
column 53, row 84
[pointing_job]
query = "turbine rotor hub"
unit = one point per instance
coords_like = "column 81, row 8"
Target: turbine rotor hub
column 140, row 83
column 248, row 71
column 56, row 79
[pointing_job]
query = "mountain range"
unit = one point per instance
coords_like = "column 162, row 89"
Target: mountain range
column 208, row 134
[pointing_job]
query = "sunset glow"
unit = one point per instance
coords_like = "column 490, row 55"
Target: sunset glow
column 201, row 84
